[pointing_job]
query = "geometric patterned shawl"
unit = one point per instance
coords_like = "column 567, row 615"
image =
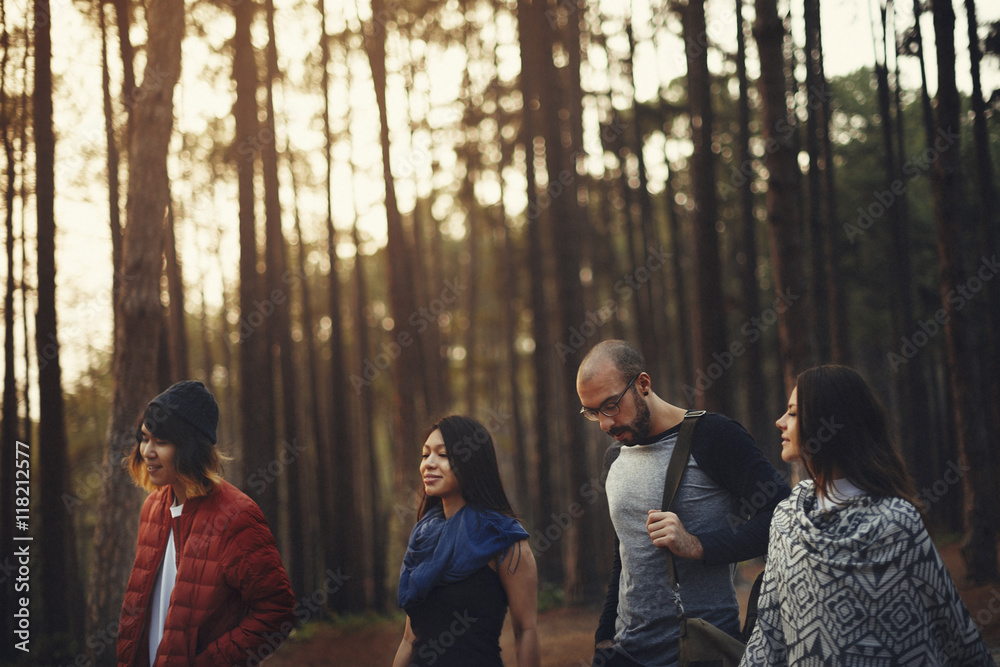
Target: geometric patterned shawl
column 859, row 585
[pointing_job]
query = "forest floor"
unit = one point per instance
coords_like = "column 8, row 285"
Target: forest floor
column 566, row 634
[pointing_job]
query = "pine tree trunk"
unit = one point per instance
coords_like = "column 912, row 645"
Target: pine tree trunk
column 709, row 323
column 407, row 365
column 550, row 565
column 377, row 528
column 988, row 219
column 817, row 127
column 279, row 333
column 568, row 222
column 9, row 420
column 326, row 509
column 682, row 330
column 258, row 428
column 58, row 579
column 506, row 262
column 113, row 160
column 784, row 224
column 650, row 334
column 176, row 327
column 139, row 322
column 760, row 421
column 973, row 409
column 378, row 523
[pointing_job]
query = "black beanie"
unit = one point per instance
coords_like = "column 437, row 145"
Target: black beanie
column 190, row 402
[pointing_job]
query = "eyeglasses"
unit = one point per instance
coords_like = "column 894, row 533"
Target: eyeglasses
column 609, row 409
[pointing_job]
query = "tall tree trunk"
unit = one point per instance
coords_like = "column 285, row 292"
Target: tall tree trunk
column 509, row 314
column 472, row 294
column 973, row 411
column 139, row 319
column 378, row 525
column 114, row 212
column 833, row 243
column 259, row 431
column 326, row 512
column 314, row 526
column 817, row 128
column 760, row 422
column 784, row 224
column 682, row 332
column 915, row 392
column 650, row 335
column 9, row 419
column 712, row 356
column 279, row 327
column 378, row 521
column 206, row 336
column 550, row 566
column 130, row 95
column 406, row 367
column 346, row 529
column 176, row 328
column 58, row 578
column 636, row 255
column 568, row 220
column 988, row 220
column 925, row 97
column 23, row 198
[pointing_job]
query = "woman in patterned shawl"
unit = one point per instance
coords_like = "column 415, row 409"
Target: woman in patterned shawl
column 852, row 577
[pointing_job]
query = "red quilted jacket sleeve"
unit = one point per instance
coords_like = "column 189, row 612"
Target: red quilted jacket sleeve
column 253, row 567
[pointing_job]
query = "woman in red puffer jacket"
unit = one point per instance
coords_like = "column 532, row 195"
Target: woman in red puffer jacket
column 208, row 586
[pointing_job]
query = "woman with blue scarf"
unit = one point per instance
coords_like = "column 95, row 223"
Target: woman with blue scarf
column 468, row 559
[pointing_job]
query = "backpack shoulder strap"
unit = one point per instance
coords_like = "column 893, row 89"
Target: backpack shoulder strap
column 675, row 470
column 679, row 459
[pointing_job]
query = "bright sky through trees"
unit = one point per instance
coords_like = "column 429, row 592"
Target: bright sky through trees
column 207, row 213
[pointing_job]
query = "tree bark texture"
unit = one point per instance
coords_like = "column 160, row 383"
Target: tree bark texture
column 550, row 566
column 784, row 177
column 710, row 340
column 256, row 378
column 58, row 577
column 176, row 325
column 973, row 411
column 9, row 426
column 139, row 313
column 407, row 366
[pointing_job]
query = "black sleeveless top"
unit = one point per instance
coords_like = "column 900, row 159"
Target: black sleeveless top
column 458, row 625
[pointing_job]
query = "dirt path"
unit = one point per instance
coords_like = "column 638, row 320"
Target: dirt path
column 566, row 635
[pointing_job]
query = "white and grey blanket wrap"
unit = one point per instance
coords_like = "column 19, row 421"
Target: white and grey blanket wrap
column 860, row 585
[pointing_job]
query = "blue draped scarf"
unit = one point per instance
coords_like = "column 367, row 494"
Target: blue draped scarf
column 444, row 551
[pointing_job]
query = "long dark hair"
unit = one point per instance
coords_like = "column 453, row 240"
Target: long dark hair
column 474, row 462
column 842, row 425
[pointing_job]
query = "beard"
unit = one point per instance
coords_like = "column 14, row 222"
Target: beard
column 638, row 428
